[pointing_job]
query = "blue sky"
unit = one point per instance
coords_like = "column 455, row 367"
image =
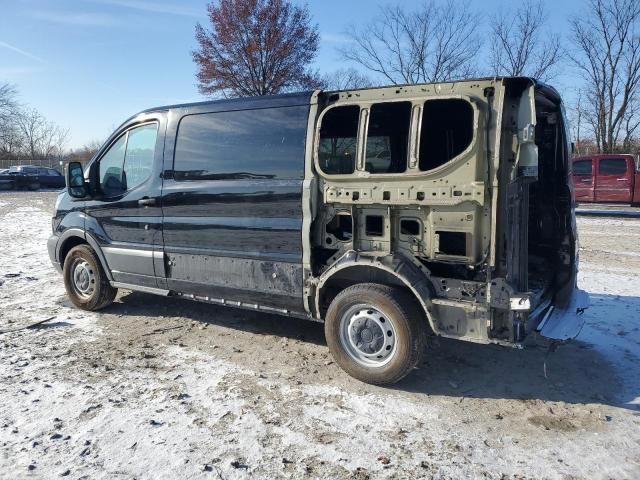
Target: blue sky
column 89, row 64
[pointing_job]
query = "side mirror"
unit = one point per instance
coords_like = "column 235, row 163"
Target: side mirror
column 76, row 186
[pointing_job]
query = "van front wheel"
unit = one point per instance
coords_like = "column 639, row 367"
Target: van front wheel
column 375, row 333
column 85, row 281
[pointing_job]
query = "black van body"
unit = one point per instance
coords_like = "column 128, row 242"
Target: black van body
column 233, row 234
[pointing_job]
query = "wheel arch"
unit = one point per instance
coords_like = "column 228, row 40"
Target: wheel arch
column 74, row 237
column 392, row 270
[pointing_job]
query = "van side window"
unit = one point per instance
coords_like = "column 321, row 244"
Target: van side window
column 111, row 168
column 138, row 159
column 265, row 143
column 582, row 167
column 612, row 166
column 387, row 137
column 128, row 161
column 447, row 131
column 338, row 139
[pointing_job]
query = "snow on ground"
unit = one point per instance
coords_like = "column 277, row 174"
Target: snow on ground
column 610, row 272
column 166, row 388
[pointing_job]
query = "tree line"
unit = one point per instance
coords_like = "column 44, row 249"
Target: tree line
column 28, row 136
column 262, row 47
column 25, row 133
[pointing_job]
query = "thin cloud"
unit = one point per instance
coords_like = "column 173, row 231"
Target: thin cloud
column 9, row 73
column 21, row 52
column 78, row 19
column 155, row 7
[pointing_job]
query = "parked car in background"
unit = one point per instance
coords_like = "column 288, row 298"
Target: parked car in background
column 606, row 179
column 6, row 182
column 31, row 177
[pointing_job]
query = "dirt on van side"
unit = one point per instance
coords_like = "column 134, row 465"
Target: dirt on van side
column 166, row 388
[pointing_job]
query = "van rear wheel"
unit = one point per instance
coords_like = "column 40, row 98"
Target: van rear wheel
column 85, row 281
column 375, row 333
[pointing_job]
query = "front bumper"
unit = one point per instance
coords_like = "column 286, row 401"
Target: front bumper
column 563, row 324
column 52, row 247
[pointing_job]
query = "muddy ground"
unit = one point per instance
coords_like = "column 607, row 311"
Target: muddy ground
column 166, row 388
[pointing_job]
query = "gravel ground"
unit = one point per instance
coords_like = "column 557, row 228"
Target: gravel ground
column 166, row 388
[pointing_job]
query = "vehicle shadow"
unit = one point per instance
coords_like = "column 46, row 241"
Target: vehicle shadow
column 261, row 323
column 576, row 372
column 600, row 366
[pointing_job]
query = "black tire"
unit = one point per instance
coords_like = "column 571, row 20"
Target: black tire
column 101, row 294
column 392, row 304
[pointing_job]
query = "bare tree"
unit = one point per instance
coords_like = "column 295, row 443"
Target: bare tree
column 576, row 113
column 30, row 122
column 85, row 153
column 608, row 55
column 9, row 136
column 520, row 44
column 60, row 141
column 8, row 102
column 48, row 140
column 255, row 47
column 11, row 140
column 25, row 133
column 39, row 134
column 345, row 79
column 433, row 43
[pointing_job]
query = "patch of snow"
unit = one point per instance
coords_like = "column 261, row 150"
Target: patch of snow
column 30, row 288
column 612, row 324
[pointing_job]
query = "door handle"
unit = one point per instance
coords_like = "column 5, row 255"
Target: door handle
column 147, row 202
column 621, row 179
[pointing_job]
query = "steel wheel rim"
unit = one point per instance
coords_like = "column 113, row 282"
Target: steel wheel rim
column 368, row 335
column 83, row 278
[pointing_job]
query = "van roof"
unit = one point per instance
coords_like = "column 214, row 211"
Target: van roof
column 244, row 103
column 301, row 98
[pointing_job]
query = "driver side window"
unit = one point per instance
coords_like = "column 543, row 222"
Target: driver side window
column 128, row 162
column 111, row 180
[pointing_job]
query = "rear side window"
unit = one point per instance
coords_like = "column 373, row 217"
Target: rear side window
column 338, row 139
column 447, row 131
column 582, row 167
column 612, row 166
column 266, row 143
column 387, row 137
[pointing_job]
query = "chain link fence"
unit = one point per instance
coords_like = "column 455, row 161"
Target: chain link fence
column 44, row 162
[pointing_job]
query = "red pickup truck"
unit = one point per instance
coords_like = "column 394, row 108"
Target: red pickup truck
column 613, row 178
